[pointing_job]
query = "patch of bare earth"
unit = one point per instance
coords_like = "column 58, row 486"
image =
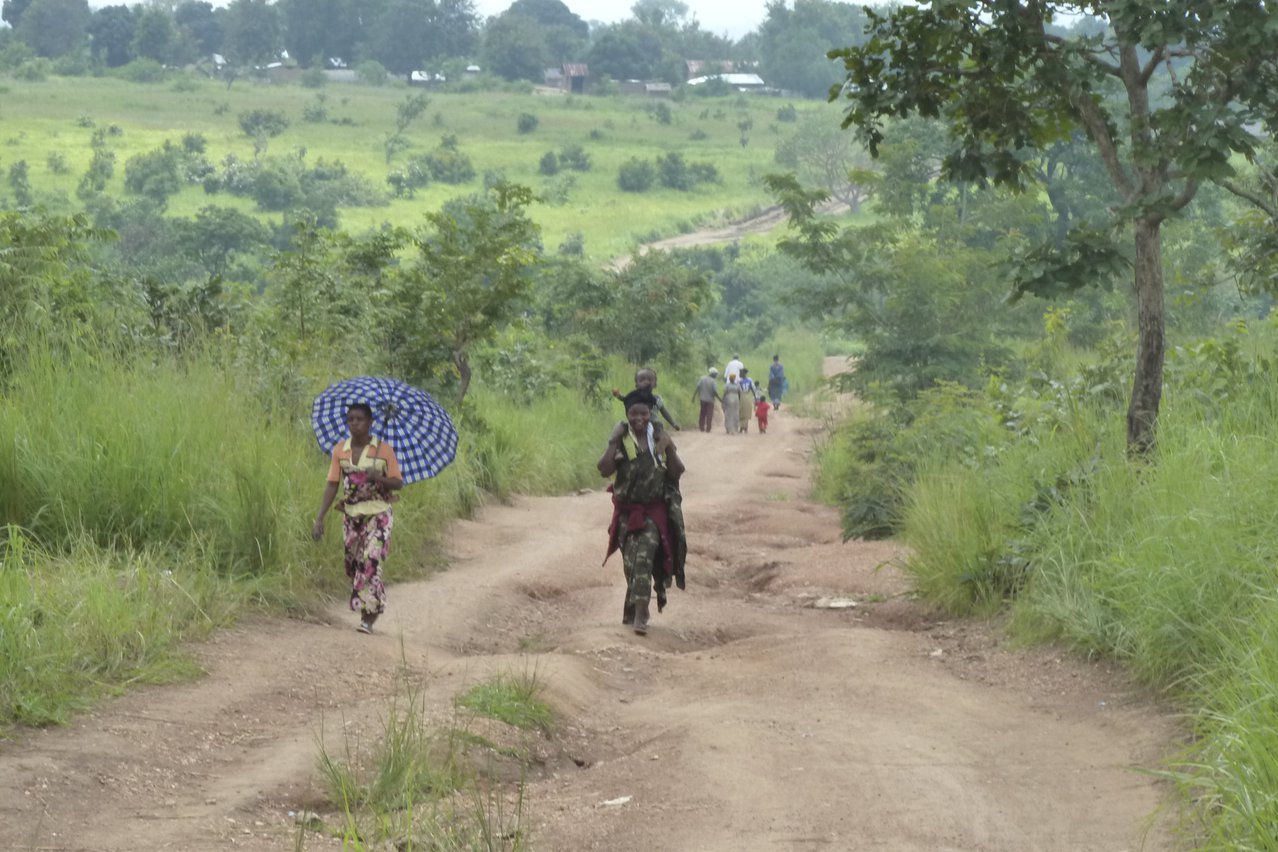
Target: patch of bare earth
column 794, row 697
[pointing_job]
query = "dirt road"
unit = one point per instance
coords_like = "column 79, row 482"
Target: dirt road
column 750, row 718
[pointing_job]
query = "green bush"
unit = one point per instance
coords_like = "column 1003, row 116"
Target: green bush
column 142, row 71
column 636, row 175
column 154, row 173
column 549, row 164
column 526, row 123
column 314, row 78
column 370, row 72
column 574, row 158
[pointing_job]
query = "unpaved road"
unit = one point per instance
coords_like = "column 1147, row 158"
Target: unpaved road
column 748, row 719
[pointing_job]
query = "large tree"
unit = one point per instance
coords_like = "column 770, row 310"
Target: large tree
column 1166, row 92
column 252, row 32
column 321, row 29
column 470, row 278
column 55, row 27
column 111, row 32
column 199, row 27
column 793, row 39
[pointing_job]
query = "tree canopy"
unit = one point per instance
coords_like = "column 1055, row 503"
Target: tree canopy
column 1167, row 94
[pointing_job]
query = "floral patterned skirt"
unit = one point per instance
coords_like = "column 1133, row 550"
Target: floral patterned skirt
column 367, row 541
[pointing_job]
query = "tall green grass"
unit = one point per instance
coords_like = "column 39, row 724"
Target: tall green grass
column 1167, row 565
column 150, row 499
column 81, row 624
column 417, row 786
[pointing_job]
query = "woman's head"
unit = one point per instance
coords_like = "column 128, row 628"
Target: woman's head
column 359, row 419
column 638, row 413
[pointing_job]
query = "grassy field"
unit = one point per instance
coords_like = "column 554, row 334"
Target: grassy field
column 59, row 115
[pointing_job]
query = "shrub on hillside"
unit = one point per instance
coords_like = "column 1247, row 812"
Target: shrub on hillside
column 549, row 164
column 574, row 158
column 446, row 163
column 314, row 78
column 527, row 122
column 788, row 113
column 263, row 122
column 635, row 175
column 154, row 173
column 35, row 70
column 142, row 71
column 370, row 72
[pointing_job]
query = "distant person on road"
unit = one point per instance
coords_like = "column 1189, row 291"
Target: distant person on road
column 651, row 540
column 734, row 367
column 706, row 393
column 746, row 409
column 761, row 413
column 646, row 380
column 365, row 470
column 732, row 405
column 776, row 381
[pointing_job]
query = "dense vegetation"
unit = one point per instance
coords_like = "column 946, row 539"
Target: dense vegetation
column 160, row 274
column 246, row 38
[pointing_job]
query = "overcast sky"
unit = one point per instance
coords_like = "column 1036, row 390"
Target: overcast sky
column 734, row 17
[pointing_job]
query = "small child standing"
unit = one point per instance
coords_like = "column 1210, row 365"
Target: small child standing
column 761, row 412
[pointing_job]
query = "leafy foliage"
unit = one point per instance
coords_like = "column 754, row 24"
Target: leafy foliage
column 469, row 278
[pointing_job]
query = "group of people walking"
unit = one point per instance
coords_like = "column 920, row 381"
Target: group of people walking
column 647, row 517
column 741, row 396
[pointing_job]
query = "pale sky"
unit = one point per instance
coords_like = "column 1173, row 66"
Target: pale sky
column 734, row 17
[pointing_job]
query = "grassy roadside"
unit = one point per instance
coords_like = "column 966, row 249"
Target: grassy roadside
column 1022, row 500
column 148, row 503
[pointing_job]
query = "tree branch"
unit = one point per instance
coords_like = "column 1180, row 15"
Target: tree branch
column 1187, row 194
column 1097, row 129
column 1247, row 195
column 1151, row 66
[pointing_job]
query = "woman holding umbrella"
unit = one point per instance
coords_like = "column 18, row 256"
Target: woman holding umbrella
column 367, row 473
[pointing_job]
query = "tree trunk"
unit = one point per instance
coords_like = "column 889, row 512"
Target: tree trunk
column 462, row 363
column 1147, row 386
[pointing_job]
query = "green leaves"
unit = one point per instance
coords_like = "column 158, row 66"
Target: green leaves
column 1087, row 257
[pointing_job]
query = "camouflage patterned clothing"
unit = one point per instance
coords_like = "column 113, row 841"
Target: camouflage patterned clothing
column 641, row 523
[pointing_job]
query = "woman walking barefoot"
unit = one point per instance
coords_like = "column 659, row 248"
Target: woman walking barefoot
column 366, row 471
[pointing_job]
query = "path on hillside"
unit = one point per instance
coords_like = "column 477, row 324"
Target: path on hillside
column 750, row 718
column 761, row 222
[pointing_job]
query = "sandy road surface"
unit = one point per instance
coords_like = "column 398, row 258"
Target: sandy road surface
column 748, row 719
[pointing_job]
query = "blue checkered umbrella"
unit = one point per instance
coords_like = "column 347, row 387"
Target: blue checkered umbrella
column 421, row 432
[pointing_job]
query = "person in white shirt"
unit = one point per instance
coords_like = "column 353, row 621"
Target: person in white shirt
column 733, row 368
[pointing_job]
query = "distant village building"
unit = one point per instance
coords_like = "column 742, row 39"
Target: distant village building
column 425, row 78
column 575, row 76
column 645, row 88
column 701, row 67
column 740, row 82
column 471, row 71
column 553, row 77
